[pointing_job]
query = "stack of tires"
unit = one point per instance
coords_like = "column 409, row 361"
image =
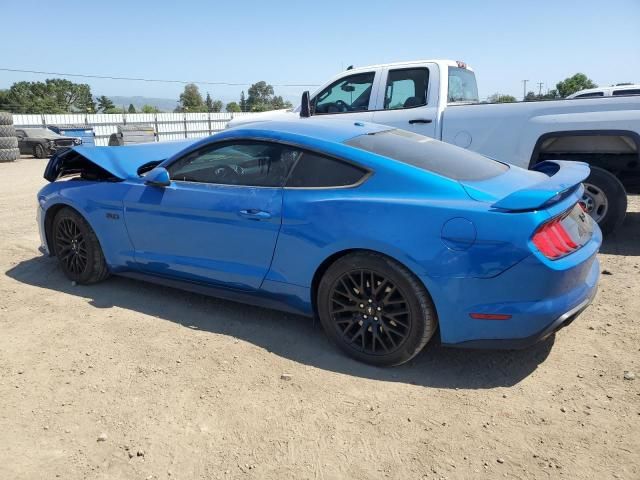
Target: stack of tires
column 8, row 141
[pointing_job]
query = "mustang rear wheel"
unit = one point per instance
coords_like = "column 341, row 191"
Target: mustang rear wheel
column 375, row 309
column 77, row 248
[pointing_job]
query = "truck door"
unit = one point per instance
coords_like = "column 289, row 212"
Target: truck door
column 408, row 99
column 350, row 97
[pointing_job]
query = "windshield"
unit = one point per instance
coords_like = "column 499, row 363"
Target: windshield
column 40, row 133
column 462, row 85
column 429, row 154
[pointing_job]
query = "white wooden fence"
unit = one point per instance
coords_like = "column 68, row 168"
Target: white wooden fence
column 169, row 126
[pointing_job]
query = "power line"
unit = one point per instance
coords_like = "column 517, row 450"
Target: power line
column 157, row 80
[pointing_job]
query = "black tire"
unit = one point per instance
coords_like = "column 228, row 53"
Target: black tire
column 615, row 197
column 6, row 118
column 399, row 336
column 77, row 248
column 9, row 154
column 7, row 131
column 8, row 142
column 39, row 151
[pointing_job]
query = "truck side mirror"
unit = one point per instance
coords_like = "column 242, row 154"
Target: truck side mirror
column 305, row 105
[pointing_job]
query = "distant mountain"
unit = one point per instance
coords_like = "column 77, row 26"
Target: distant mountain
column 163, row 104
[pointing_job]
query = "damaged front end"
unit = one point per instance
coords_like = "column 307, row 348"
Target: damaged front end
column 110, row 163
column 68, row 162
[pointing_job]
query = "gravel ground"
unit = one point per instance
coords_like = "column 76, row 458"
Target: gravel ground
column 128, row 380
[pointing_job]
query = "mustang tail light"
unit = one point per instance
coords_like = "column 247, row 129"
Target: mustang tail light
column 553, row 239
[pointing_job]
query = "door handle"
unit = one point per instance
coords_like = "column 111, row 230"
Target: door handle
column 420, row 120
column 254, row 214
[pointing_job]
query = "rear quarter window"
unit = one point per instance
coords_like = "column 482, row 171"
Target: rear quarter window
column 317, row 171
column 429, row 154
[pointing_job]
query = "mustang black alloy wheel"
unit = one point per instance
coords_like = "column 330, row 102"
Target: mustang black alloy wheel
column 375, row 309
column 77, row 248
column 72, row 248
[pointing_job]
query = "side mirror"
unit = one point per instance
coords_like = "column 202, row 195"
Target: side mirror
column 158, row 177
column 305, row 105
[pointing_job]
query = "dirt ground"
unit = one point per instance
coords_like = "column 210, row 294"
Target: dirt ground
column 133, row 381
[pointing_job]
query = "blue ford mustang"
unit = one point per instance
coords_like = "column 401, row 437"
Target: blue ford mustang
column 384, row 234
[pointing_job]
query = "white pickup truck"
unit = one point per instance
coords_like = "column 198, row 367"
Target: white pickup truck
column 439, row 99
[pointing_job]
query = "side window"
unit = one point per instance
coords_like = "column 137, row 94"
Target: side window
column 349, row 94
column 590, row 94
column 406, row 88
column 628, row 91
column 259, row 164
column 313, row 170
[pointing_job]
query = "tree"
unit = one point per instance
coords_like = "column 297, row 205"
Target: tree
column 574, row 84
column 259, row 97
column 233, row 107
column 104, row 104
column 150, row 109
column 501, row 98
column 278, row 103
column 262, row 97
column 191, row 100
column 131, row 109
column 534, row 97
column 54, row 95
column 213, row 105
column 243, row 102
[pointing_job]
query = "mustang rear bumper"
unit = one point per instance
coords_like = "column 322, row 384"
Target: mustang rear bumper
column 537, row 299
column 520, row 343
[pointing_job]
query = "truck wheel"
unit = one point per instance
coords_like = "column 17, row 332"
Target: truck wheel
column 605, row 199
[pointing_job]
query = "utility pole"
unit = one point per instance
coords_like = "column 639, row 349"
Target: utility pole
column 540, row 88
column 524, row 90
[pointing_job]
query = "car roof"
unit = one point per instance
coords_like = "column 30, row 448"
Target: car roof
column 332, row 130
column 605, row 89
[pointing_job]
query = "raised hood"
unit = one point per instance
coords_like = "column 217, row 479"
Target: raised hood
column 521, row 190
column 118, row 162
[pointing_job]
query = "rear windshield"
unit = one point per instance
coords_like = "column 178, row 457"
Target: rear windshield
column 462, row 85
column 429, row 154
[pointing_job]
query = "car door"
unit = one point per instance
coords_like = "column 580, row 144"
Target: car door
column 218, row 220
column 408, row 99
column 351, row 96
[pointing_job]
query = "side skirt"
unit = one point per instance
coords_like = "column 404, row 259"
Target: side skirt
column 277, row 300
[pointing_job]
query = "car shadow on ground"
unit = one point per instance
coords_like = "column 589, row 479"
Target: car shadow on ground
column 626, row 240
column 290, row 336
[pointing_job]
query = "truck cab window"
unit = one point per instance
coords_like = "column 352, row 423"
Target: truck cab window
column 406, row 88
column 348, row 94
column 462, row 85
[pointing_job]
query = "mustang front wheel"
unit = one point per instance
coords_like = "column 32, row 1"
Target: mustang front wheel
column 375, row 310
column 77, row 248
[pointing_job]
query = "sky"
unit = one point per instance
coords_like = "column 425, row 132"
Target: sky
column 303, row 42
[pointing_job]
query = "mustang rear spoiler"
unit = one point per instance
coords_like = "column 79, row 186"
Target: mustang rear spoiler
column 564, row 177
column 118, row 162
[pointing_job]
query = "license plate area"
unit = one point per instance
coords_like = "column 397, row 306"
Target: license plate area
column 579, row 225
